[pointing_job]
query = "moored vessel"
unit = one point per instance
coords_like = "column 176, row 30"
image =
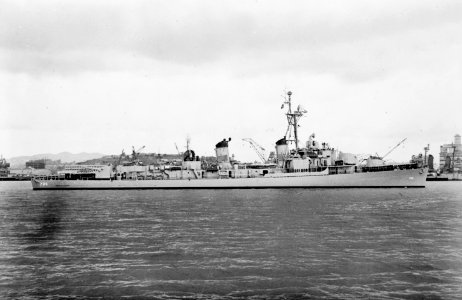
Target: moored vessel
column 312, row 165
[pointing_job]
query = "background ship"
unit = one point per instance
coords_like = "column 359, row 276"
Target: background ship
column 4, row 169
column 313, row 165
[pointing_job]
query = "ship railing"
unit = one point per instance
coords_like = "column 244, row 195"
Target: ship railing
column 307, row 170
column 48, row 177
column 390, row 167
column 343, row 169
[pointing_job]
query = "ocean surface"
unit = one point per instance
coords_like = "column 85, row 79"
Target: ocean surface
column 231, row 244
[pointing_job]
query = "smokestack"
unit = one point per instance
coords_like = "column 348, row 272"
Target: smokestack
column 221, row 150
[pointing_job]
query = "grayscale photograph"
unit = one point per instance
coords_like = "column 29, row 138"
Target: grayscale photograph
column 230, row 149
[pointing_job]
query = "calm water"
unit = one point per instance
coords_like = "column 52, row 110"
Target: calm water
column 233, row 244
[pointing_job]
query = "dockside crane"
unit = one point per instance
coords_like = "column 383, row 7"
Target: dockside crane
column 135, row 154
column 120, row 157
column 176, row 146
column 188, row 142
column 392, row 149
column 258, row 149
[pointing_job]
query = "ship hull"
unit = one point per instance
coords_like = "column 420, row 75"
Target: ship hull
column 386, row 179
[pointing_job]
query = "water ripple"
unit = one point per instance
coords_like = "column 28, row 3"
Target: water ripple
column 231, row 244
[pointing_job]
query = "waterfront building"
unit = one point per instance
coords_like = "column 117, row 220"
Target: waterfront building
column 36, row 164
column 451, row 156
column 430, row 163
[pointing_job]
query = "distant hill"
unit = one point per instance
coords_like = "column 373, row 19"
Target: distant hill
column 65, row 157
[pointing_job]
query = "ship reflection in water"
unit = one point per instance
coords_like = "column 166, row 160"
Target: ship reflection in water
column 232, row 244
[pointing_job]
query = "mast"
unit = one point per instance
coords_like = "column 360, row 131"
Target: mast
column 292, row 118
column 426, row 149
column 295, row 124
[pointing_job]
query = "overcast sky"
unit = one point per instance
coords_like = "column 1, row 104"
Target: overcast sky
column 101, row 76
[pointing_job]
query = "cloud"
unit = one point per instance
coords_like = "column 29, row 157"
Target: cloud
column 346, row 39
column 217, row 69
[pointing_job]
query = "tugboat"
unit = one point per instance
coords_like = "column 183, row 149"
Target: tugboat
column 314, row 165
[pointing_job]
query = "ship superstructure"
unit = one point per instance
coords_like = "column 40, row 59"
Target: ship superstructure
column 294, row 164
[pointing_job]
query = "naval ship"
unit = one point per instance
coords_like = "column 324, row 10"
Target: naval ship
column 294, row 165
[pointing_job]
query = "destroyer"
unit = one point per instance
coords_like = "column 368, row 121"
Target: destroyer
column 313, row 165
